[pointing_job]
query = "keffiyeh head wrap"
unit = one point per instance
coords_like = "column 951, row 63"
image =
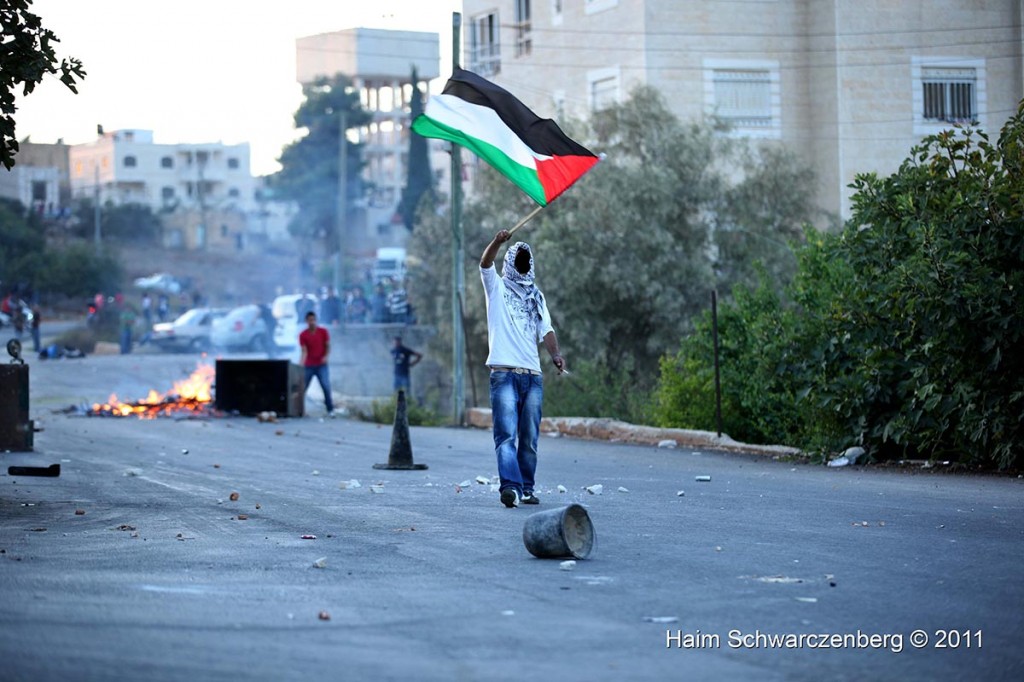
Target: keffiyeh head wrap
column 522, row 284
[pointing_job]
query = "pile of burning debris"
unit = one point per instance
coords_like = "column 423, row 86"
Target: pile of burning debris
column 189, row 397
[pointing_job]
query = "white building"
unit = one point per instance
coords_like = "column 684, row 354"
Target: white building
column 380, row 64
column 205, row 192
column 126, row 166
column 850, row 85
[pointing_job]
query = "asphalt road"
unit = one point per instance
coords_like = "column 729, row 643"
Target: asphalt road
column 161, row 578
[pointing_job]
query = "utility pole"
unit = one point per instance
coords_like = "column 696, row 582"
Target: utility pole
column 342, row 200
column 97, row 236
column 458, row 275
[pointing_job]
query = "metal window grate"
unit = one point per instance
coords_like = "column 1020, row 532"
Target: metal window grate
column 743, row 97
column 950, row 95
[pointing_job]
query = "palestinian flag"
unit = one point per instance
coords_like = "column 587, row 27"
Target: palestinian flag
column 530, row 151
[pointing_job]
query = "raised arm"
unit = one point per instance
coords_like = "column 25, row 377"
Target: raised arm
column 487, row 258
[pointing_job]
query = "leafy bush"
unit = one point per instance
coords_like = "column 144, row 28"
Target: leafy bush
column 761, row 372
column 902, row 333
column 593, row 390
column 383, row 412
column 930, row 363
column 76, row 269
column 26, row 258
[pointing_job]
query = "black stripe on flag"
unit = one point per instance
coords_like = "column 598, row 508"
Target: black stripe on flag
column 542, row 135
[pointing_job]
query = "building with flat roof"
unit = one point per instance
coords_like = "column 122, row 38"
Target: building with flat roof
column 205, row 190
column 380, row 64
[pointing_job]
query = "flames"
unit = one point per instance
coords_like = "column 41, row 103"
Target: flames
column 191, row 395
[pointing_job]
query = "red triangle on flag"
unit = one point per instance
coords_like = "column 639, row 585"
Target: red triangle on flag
column 558, row 173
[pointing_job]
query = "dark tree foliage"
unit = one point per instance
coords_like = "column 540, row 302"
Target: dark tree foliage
column 121, row 224
column 309, row 166
column 26, row 260
column 420, row 179
column 26, row 56
column 626, row 256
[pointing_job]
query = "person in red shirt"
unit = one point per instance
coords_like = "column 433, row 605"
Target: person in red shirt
column 316, row 346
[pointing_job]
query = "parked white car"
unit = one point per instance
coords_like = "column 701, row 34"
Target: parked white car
column 242, row 329
column 190, row 332
column 161, row 281
column 289, row 323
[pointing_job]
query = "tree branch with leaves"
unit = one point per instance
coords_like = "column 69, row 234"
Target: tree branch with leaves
column 26, row 56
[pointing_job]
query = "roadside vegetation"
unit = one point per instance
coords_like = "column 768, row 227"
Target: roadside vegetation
column 899, row 331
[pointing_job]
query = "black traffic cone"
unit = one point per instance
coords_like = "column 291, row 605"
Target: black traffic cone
column 400, row 456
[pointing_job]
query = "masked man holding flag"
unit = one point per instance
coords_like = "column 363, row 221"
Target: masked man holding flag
column 517, row 320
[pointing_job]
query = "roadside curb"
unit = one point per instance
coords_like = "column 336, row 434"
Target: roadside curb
column 613, row 430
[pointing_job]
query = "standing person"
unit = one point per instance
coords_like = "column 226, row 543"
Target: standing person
column 36, row 321
column 127, row 323
column 404, row 359
column 379, row 305
column 18, row 318
column 147, row 309
column 163, row 307
column 398, row 304
column 517, row 320
column 357, row 306
column 316, row 346
column 147, row 319
column 330, row 307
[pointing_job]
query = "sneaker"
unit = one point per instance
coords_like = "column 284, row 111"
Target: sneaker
column 530, row 498
column 510, row 498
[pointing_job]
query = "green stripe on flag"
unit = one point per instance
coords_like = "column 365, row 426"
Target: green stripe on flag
column 525, row 178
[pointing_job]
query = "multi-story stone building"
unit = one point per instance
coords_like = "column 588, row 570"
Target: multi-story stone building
column 850, row 85
column 126, row 166
column 205, row 191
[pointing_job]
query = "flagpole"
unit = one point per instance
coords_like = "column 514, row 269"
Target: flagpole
column 526, row 219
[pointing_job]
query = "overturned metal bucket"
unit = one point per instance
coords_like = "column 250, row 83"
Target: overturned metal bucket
column 559, row 533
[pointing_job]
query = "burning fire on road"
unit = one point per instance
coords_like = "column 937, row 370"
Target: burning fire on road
column 191, row 396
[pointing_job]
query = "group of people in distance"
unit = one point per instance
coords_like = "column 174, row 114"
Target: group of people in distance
column 315, row 344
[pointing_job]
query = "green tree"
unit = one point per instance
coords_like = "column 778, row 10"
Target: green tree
column 26, row 259
column 121, row 224
column 902, row 333
column 26, row 56
column 309, row 172
column 420, row 179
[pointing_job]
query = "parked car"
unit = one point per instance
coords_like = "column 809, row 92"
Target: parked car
column 190, row 332
column 286, row 311
column 243, row 328
column 162, row 282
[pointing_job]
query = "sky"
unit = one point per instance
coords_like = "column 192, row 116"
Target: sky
column 199, row 70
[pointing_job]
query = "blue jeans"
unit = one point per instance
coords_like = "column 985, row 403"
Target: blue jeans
column 323, row 375
column 402, row 381
column 515, row 410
